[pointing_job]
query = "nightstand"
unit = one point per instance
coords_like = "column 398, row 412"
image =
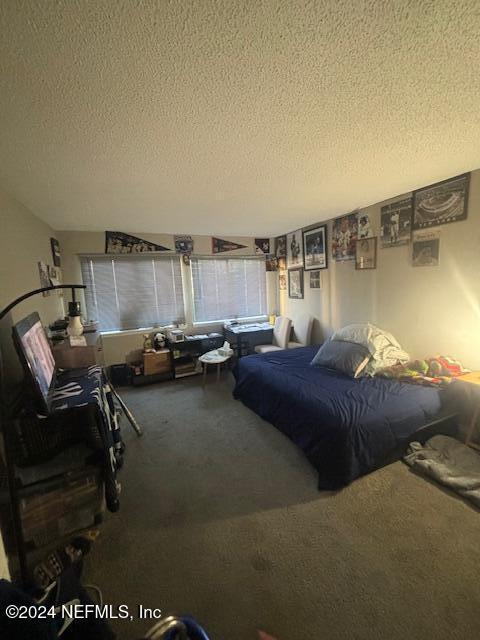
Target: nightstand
column 472, row 379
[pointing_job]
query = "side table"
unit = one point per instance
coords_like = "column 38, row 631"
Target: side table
column 212, row 357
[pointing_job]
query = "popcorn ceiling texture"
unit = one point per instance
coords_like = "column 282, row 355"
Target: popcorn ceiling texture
column 223, row 117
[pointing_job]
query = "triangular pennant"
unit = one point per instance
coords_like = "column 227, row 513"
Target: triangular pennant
column 118, row 242
column 219, row 245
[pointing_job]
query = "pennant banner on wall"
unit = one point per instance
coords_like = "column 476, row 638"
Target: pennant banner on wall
column 219, row 245
column 118, row 242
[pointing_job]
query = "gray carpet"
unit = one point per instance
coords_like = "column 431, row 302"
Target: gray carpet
column 220, row 517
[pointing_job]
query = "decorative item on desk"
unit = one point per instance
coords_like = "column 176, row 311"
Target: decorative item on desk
column 175, row 335
column 159, row 341
column 147, row 343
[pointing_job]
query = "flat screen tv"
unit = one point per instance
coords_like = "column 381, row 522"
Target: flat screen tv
column 36, row 355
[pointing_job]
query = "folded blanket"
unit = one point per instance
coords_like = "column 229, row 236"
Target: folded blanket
column 434, row 372
column 449, row 462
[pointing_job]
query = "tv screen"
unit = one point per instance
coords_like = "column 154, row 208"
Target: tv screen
column 36, row 355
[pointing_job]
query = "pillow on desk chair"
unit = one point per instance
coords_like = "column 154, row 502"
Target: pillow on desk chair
column 281, row 333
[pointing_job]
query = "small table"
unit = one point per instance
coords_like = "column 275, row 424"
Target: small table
column 245, row 337
column 212, row 357
column 472, row 378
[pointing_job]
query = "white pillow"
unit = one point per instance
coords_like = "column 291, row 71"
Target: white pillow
column 384, row 348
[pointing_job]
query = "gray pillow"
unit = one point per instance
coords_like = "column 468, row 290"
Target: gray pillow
column 347, row 357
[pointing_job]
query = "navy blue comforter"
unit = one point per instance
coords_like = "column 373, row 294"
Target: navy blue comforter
column 346, row 427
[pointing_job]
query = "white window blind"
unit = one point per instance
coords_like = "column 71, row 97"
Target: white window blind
column 131, row 292
column 226, row 288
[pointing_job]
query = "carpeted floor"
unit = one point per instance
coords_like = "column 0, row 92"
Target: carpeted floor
column 220, row 517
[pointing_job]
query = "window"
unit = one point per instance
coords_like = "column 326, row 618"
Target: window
column 226, row 288
column 130, row 292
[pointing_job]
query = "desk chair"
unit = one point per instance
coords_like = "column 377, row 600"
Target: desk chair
column 303, row 332
column 281, row 333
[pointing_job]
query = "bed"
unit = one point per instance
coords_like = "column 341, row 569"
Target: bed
column 346, row 427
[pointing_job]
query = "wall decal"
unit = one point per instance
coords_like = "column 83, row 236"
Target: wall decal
column 281, row 247
column 426, row 248
column 440, row 203
column 294, row 249
column 396, row 223
column 118, row 242
column 219, row 245
column 315, row 247
column 262, row 245
column 183, row 244
column 344, row 236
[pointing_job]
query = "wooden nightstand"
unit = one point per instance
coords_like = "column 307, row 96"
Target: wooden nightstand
column 473, row 379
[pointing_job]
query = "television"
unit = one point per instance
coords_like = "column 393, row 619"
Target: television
column 36, row 355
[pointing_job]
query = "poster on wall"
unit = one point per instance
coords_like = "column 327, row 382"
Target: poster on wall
column 271, row 263
column 294, row 250
column 315, row 280
column 441, row 203
column 295, row 283
column 281, row 247
column 57, row 262
column 315, row 248
column 344, row 237
column 118, row 242
column 44, row 277
column 262, row 245
column 364, row 227
column 396, row 223
column 282, row 281
column 426, row 248
column 183, row 244
column 220, row 246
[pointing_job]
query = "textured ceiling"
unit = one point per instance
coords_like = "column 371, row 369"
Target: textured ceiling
column 232, row 117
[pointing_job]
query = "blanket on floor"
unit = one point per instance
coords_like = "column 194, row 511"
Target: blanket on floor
column 433, row 372
column 450, row 463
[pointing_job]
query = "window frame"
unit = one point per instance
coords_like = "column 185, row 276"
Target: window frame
column 150, row 255
column 200, row 323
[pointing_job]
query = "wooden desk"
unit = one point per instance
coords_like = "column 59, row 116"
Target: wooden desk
column 67, row 357
column 472, row 379
column 243, row 338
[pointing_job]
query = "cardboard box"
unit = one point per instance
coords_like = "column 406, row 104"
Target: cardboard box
column 156, row 362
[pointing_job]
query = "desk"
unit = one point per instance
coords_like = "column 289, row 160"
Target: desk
column 243, row 338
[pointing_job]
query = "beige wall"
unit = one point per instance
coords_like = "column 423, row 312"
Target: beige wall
column 121, row 346
column 431, row 310
column 24, row 240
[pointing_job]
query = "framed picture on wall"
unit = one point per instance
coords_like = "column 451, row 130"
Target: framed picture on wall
column 441, row 203
column 294, row 250
column 366, row 253
column 396, row 223
column 295, row 284
column 282, row 281
column 57, row 261
column 315, row 280
column 344, row 237
column 281, row 246
column 315, row 248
